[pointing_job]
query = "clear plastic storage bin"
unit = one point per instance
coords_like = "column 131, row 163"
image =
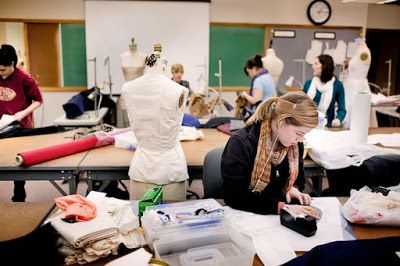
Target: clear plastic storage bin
column 182, row 218
column 222, row 247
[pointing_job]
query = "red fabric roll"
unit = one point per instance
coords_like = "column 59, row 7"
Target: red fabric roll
column 57, row 151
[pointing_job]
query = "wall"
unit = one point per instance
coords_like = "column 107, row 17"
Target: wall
column 284, row 12
column 383, row 17
column 43, row 9
column 250, row 11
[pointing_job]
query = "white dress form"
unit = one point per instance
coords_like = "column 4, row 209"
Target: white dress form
column 155, row 106
column 132, row 62
column 273, row 64
column 356, row 81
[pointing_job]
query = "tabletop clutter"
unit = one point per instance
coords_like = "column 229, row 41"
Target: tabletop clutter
column 192, row 232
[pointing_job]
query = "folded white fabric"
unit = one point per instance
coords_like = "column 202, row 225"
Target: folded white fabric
column 115, row 223
column 335, row 150
column 190, row 133
column 81, row 234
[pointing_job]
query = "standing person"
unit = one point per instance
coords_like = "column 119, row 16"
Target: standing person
column 262, row 85
column 19, row 96
column 326, row 90
column 262, row 163
column 177, row 75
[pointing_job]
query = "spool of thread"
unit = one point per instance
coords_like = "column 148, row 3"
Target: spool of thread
column 359, row 122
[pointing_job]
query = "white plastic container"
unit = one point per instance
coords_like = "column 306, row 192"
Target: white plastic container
column 221, row 247
column 182, row 219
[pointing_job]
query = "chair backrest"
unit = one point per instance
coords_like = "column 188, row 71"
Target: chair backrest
column 212, row 179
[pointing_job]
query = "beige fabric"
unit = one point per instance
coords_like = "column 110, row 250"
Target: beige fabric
column 174, row 191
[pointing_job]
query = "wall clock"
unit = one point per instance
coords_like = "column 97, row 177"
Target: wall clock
column 319, row 12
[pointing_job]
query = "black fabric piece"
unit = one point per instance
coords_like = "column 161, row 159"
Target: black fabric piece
column 9, row 130
column 111, row 116
column 22, row 132
column 75, row 107
column 215, row 122
column 376, row 171
column 82, row 102
column 379, row 251
column 36, row 248
column 237, row 165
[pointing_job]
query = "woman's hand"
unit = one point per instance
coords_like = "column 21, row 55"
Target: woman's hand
column 244, row 95
column 20, row 115
column 294, row 193
column 336, row 122
column 299, row 209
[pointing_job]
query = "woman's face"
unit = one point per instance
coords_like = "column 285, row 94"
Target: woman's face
column 251, row 72
column 291, row 135
column 317, row 67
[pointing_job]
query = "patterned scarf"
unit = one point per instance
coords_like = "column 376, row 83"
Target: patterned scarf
column 260, row 177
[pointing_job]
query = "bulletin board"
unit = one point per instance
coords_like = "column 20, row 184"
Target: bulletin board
column 235, row 43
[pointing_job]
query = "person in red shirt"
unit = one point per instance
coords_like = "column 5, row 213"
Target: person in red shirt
column 19, row 96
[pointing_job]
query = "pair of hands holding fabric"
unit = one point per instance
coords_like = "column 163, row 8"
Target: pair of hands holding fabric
column 304, row 200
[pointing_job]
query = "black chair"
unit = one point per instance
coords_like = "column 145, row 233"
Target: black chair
column 212, row 180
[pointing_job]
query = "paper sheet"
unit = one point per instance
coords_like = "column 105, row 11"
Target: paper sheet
column 387, row 140
column 139, row 257
column 329, row 227
column 272, row 248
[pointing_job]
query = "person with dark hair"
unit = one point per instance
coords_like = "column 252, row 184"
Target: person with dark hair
column 262, row 163
column 19, row 96
column 326, row 90
column 262, row 85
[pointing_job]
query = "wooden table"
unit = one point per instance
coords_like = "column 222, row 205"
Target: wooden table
column 24, row 217
column 64, row 168
column 110, row 163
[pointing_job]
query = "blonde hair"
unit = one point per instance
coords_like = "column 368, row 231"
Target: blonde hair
column 176, row 68
column 295, row 108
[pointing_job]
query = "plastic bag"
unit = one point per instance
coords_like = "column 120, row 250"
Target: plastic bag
column 366, row 207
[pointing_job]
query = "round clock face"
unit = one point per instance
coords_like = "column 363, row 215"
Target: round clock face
column 319, row 12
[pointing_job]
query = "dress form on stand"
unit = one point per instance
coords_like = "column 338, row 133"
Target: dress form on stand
column 155, row 106
column 132, row 62
column 356, row 81
column 273, row 64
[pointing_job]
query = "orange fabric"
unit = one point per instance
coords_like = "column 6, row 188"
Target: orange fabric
column 76, row 206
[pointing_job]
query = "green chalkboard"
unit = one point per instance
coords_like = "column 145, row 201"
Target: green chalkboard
column 73, row 54
column 234, row 45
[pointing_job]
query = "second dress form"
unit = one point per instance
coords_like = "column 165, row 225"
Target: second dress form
column 356, row 81
column 133, row 63
column 273, row 64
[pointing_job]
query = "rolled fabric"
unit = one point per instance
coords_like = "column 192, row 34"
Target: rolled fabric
column 48, row 153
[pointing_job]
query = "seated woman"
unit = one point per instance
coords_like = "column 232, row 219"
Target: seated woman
column 326, row 90
column 262, row 85
column 262, row 165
